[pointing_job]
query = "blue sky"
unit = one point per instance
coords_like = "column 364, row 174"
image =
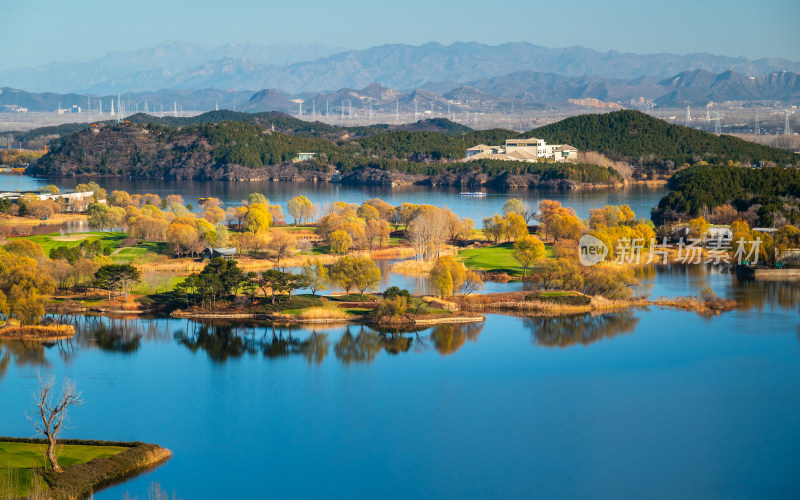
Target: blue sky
column 39, row 31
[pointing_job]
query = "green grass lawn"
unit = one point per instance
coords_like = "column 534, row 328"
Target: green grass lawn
column 49, row 241
column 129, row 254
column 357, row 311
column 321, row 250
column 17, row 460
column 110, row 240
column 496, row 258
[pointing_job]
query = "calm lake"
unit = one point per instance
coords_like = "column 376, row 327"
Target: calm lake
column 643, row 404
column 641, row 198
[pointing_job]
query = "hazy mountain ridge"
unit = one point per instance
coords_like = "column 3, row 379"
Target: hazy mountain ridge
column 519, row 91
column 296, row 69
column 151, row 68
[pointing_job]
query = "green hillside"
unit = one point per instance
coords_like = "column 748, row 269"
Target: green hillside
column 648, row 141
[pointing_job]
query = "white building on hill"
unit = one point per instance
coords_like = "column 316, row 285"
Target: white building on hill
column 531, row 149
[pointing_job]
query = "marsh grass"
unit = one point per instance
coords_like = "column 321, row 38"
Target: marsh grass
column 324, row 312
column 412, row 267
column 37, row 332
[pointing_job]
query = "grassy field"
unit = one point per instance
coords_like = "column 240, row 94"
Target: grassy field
column 128, row 254
column 110, row 240
column 496, row 258
column 49, row 241
column 17, row 461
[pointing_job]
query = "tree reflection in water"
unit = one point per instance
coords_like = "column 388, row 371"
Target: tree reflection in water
column 220, row 341
column 23, row 353
column 583, row 329
column 356, row 344
column 359, row 349
column 448, row 339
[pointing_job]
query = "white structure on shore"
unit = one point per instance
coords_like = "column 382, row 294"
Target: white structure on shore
column 531, row 149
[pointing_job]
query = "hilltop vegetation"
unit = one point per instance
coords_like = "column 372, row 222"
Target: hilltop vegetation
column 241, row 150
column 241, row 146
column 656, row 145
column 772, row 194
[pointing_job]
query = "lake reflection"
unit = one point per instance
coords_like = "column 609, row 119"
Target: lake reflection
column 583, row 329
column 641, row 198
column 638, row 404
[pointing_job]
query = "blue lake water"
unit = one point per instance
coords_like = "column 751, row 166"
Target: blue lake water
column 641, row 198
column 653, row 404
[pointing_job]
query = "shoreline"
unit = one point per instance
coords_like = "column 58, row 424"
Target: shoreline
column 81, row 480
column 38, row 333
column 411, row 181
column 291, row 319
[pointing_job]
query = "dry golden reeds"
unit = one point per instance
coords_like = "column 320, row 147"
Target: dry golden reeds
column 412, row 267
column 324, row 313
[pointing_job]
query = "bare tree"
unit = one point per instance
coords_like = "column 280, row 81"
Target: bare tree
column 281, row 245
column 428, row 232
column 53, row 416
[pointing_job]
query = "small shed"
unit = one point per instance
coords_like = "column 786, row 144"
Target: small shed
column 225, row 253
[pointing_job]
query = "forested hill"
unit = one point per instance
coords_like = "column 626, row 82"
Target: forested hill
column 639, row 138
column 771, row 193
column 225, row 144
column 247, row 151
column 272, row 120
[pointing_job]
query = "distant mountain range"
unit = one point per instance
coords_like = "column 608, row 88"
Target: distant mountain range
column 296, row 69
column 154, row 68
column 520, row 91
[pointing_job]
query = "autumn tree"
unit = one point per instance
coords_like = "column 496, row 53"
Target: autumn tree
column 568, row 227
column 368, row 212
column 515, row 226
column 356, row 272
column 447, row 276
column 366, row 274
column 214, row 215
column 300, row 209
column 526, row 250
column 519, row 207
column 340, row 242
column 557, row 274
column 258, row 217
column 257, row 198
column 316, row 274
column 459, row 228
column 698, row 227
column 495, row 228
column 377, row 229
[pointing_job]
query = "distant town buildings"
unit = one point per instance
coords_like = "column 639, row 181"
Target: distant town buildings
column 531, row 149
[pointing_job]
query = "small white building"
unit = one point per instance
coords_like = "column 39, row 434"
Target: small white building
column 531, row 149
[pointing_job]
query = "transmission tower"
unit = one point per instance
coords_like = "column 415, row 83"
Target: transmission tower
column 787, row 128
column 757, row 127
